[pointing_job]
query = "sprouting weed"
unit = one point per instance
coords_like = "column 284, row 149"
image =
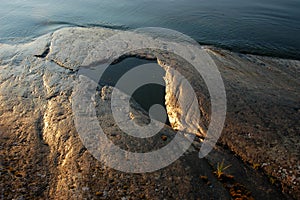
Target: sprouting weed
column 221, row 168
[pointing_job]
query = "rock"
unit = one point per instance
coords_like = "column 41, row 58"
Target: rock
column 38, row 135
column 260, row 104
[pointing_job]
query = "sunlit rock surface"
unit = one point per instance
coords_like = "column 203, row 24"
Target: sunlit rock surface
column 42, row 156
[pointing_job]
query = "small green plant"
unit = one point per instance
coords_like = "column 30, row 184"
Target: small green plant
column 221, row 168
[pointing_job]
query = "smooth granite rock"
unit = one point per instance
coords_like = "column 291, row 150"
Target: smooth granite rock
column 43, row 157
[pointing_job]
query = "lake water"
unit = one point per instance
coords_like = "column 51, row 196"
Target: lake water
column 268, row 27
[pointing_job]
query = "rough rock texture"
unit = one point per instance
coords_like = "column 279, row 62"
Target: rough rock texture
column 42, row 156
column 262, row 122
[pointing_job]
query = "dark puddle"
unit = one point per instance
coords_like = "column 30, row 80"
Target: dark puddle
column 146, row 95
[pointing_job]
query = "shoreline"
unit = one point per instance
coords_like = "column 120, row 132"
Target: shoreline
column 268, row 53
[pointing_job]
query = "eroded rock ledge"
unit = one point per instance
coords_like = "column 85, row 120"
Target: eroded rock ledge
column 43, row 157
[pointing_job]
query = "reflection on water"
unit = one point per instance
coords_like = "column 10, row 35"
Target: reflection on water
column 258, row 26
